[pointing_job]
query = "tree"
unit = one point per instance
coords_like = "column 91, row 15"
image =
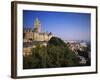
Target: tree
column 56, row 54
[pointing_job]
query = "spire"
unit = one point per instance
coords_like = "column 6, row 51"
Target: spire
column 37, row 25
column 37, row 22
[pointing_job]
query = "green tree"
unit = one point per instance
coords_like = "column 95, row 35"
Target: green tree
column 56, row 54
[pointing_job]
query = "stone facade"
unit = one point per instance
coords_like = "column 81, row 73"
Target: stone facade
column 33, row 37
column 35, row 34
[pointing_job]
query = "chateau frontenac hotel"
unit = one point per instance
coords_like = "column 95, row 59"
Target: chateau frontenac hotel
column 33, row 37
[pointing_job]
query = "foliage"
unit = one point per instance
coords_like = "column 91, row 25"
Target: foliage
column 56, row 42
column 56, row 54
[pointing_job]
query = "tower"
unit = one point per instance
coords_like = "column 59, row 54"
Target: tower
column 37, row 25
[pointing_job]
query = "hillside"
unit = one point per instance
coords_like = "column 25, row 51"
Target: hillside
column 56, row 54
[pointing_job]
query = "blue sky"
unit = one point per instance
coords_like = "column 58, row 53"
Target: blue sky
column 66, row 25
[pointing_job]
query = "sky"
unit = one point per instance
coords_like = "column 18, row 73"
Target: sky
column 66, row 25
